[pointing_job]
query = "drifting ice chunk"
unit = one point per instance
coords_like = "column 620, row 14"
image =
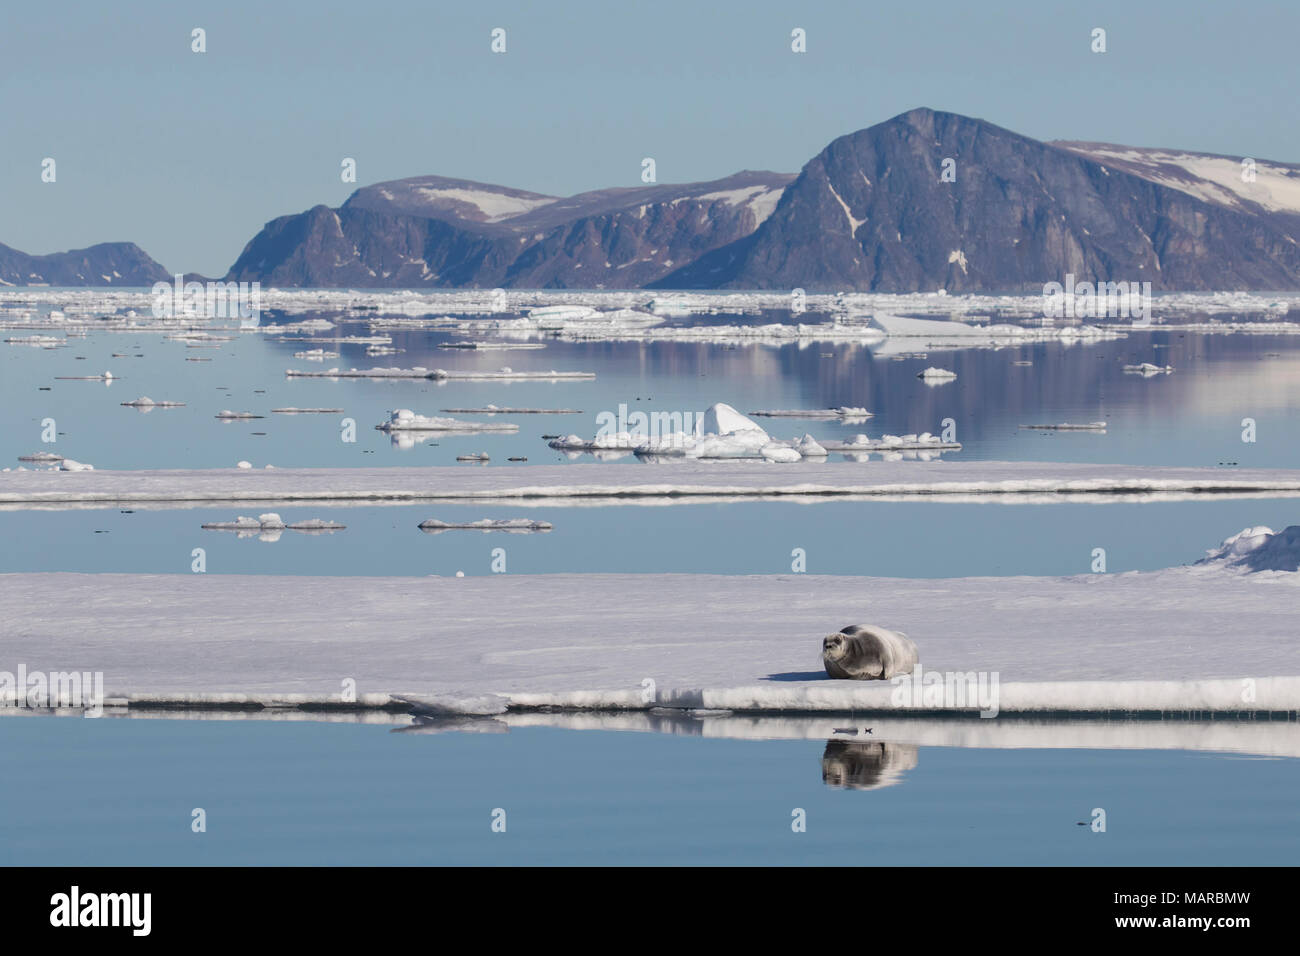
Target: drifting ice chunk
column 1147, row 369
column 809, row 447
column 775, row 452
column 1258, row 549
column 67, row 464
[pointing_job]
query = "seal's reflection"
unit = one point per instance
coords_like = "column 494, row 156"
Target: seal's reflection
column 850, row 765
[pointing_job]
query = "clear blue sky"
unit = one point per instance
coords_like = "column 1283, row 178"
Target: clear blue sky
column 188, row 154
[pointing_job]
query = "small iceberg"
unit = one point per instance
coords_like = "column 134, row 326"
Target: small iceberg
column 721, row 432
column 933, row 374
column 67, row 464
column 1258, row 549
column 226, row 415
column 147, row 404
column 1146, row 369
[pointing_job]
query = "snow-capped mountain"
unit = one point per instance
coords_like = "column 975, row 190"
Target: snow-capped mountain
column 436, row 232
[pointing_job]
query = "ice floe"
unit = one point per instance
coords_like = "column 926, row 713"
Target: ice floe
column 403, row 419
column 923, row 441
column 681, row 481
column 512, row 410
column 512, row 525
column 741, row 643
column 145, row 403
column 272, row 523
column 845, row 414
column 505, row 374
column 1070, row 427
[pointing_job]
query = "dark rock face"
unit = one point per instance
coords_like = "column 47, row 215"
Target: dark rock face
column 872, row 212
column 444, row 233
column 106, row 264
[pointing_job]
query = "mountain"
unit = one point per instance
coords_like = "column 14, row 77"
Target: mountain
column 109, row 263
column 435, row 232
column 872, row 212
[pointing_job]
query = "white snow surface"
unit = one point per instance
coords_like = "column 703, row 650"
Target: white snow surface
column 1184, row 639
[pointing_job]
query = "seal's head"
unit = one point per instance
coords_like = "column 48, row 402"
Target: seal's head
column 834, row 647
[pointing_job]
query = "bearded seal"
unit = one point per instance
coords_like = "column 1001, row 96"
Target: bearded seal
column 849, row 765
column 867, row 652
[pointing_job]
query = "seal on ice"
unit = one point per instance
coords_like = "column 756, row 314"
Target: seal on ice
column 867, row 652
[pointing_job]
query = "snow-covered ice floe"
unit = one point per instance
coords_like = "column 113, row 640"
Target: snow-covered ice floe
column 403, row 419
column 1197, row 639
column 681, row 481
column 940, row 334
column 269, row 525
column 510, row 525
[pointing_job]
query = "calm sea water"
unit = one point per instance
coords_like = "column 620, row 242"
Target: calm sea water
column 104, row 792
column 1192, row 417
column 922, row 539
column 113, row 791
